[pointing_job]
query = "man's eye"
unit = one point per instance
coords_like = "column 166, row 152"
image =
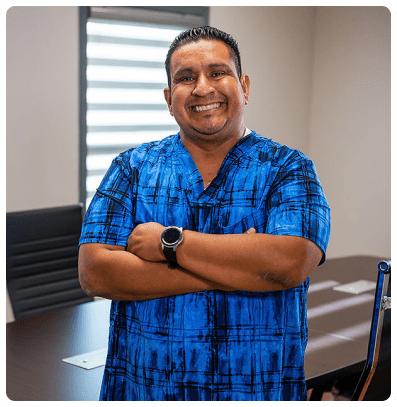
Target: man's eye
column 186, row 79
column 217, row 74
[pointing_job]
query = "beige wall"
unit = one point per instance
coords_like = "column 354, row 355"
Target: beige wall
column 320, row 83
column 350, row 126
column 42, row 107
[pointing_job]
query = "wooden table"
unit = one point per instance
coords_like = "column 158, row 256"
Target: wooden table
column 36, row 346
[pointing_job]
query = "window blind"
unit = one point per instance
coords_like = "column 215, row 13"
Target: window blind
column 125, row 78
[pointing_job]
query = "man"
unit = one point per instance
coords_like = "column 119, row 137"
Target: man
column 216, row 310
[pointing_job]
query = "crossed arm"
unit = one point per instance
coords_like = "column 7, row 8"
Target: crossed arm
column 249, row 261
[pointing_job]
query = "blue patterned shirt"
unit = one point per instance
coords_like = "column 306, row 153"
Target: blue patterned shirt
column 209, row 345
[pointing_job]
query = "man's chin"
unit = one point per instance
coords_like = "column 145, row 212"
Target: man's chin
column 209, row 131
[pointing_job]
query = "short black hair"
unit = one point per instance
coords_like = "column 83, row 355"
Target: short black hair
column 203, row 33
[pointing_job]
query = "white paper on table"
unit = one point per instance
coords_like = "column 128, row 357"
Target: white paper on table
column 88, row 360
column 356, row 287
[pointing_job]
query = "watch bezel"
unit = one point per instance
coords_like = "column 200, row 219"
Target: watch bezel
column 174, row 244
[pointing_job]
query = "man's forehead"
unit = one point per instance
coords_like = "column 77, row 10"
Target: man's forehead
column 217, row 50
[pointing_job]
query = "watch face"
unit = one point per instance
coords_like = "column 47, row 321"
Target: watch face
column 171, row 235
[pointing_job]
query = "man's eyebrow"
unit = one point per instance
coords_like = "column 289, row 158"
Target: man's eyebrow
column 182, row 71
column 210, row 66
column 220, row 65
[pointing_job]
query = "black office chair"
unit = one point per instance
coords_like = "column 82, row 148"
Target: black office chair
column 42, row 260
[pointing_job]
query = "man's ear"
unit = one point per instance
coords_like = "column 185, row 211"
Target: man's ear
column 245, row 82
column 167, row 96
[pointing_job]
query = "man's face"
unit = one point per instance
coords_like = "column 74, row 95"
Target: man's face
column 207, row 97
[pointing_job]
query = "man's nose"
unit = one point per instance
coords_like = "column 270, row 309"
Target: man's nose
column 203, row 86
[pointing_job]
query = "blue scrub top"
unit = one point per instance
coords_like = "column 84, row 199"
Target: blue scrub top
column 209, row 345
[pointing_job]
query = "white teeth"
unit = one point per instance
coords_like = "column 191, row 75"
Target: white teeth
column 205, row 107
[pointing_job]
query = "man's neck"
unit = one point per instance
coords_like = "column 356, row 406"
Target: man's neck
column 209, row 154
column 211, row 144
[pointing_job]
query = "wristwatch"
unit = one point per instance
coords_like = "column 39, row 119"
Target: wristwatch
column 170, row 239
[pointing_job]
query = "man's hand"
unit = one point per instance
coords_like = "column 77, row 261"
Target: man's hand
column 144, row 242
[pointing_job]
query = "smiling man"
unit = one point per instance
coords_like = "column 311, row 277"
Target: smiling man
column 205, row 242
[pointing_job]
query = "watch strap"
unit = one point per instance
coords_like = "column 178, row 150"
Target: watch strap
column 170, row 255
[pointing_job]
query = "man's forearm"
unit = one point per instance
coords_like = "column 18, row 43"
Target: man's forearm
column 111, row 272
column 249, row 261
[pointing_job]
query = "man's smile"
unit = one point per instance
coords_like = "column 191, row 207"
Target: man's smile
column 202, row 108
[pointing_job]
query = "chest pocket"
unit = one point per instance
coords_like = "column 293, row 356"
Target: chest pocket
column 256, row 219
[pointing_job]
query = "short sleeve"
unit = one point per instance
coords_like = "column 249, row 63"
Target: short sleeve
column 110, row 216
column 297, row 206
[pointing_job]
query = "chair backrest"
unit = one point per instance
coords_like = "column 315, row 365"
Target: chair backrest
column 42, row 260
